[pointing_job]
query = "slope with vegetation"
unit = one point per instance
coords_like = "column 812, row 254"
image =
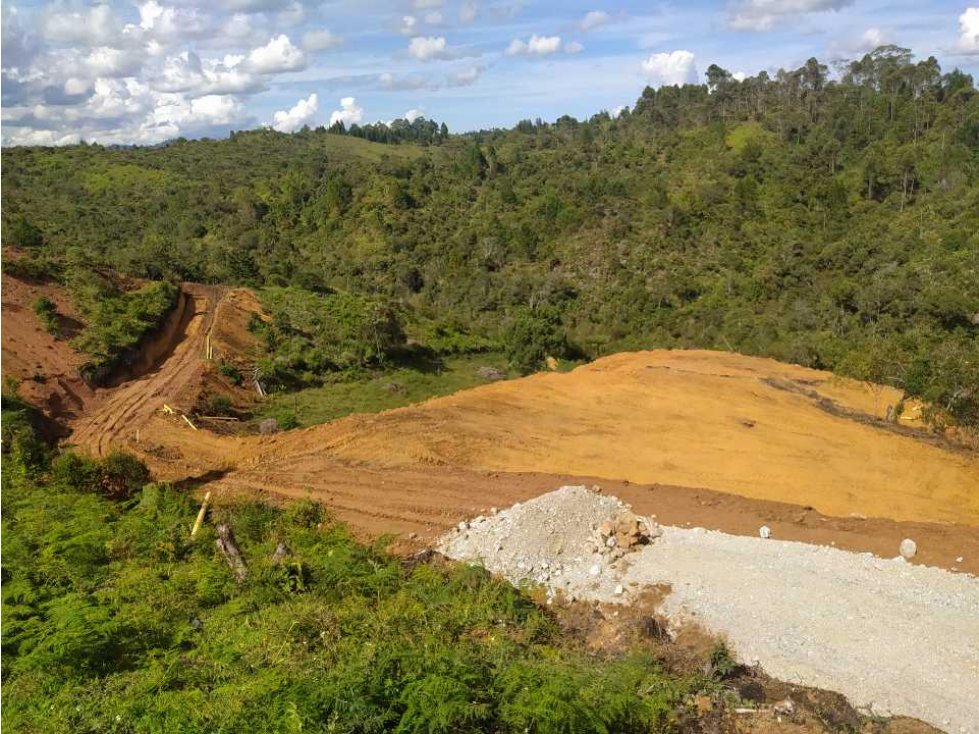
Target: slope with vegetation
column 832, row 223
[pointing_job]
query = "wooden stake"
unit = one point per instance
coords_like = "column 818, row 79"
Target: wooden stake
column 200, row 515
column 189, row 422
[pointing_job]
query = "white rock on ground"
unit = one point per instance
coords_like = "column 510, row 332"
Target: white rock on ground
column 894, row 638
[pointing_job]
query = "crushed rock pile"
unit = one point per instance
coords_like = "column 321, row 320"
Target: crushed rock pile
column 573, row 539
column 894, row 638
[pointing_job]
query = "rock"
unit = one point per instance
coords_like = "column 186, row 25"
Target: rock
column 595, row 570
column 268, row 425
column 764, row 532
column 785, row 707
column 908, row 549
column 619, row 590
column 959, row 559
column 463, row 526
column 491, row 373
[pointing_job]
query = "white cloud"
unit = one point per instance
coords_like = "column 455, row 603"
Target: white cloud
column 169, row 24
column 739, row 76
column 95, row 26
column 189, row 74
column 763, row 15
column 617, row 110
column 968, row 32
column 413, row 114
column 573, row 47
column 321, row 40
column 422, row 4
column 536, row 46
column 105, row 61
column 427, row 48
column 676, row 67
column 394, row 83
column 349, row 112
column 464, row 77
column 468, row 11
column 288, row 121
column 594, row 19
column 434, row 18
column 408, row 25
column 278, row 55
column 292, row 15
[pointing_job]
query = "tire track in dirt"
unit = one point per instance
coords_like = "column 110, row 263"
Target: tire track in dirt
column 123, row 410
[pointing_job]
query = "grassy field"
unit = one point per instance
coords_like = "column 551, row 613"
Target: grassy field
column 371, row 392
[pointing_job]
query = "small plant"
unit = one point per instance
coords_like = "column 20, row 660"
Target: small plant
column 231, row 372
column 721, row 663
column 47, row 312
column 217, row 404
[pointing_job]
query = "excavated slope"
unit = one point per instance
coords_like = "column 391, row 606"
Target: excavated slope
column 750, row 426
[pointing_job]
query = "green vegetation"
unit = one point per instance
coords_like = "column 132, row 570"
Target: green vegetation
column 313, row 333
column 832, row 223
column 115, row 620
column 373, row 391
column 47, row 312
column 116, row 321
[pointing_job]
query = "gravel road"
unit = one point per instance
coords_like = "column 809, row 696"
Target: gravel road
column 894, row 638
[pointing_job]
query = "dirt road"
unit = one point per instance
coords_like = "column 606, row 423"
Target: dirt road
column 172, row 378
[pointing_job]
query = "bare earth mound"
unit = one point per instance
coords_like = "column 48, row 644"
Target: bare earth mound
column 750, row 426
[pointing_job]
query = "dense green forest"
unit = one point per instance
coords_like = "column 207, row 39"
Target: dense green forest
column 116, row 620
column 832, row 222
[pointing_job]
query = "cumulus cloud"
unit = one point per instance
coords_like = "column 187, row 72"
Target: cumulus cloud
column 413, row 114
column 169, row 24
column 468, row 11
column 277, row 56
column 95, row 26
column 593, row 19
column 349, row 113
column 535, row 46
column 320, row 40
column 666, row 69
column 763, row 15
column 426, row 48
column 188, row 73
column 288, row 121
column 573, row 47
column 394, row 83
column 968, row 32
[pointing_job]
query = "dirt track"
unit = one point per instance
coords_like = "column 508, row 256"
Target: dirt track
column 123, row 410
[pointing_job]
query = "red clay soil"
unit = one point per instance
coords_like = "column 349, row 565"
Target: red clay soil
column 46, row 367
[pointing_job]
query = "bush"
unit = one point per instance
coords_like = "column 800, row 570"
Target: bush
column 117, row 477
column 47, row 312
column 231, row 372
column 532, row 336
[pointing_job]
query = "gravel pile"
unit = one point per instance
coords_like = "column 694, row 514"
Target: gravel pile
column 896, row 639
column 573, row 540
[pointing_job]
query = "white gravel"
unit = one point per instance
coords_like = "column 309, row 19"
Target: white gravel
column 894, row 638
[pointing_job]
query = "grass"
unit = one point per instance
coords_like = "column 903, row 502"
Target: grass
column 371, row 392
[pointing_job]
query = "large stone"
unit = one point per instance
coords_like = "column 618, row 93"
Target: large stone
column 908, row 549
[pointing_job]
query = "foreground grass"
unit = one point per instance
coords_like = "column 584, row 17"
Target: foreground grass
column 115, row 620
column 374, row 391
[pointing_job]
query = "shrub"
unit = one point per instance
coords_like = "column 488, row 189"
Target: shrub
column 533, row 335
column 231, row 372
column 47, row 312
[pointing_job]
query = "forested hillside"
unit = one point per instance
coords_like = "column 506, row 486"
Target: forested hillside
column 833, row 223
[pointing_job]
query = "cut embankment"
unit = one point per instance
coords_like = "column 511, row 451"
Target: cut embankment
column 894, row 638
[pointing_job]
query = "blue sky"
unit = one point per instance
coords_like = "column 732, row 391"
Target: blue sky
column 146, row 71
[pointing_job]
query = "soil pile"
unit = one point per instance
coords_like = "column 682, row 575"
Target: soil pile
column 894, row 638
